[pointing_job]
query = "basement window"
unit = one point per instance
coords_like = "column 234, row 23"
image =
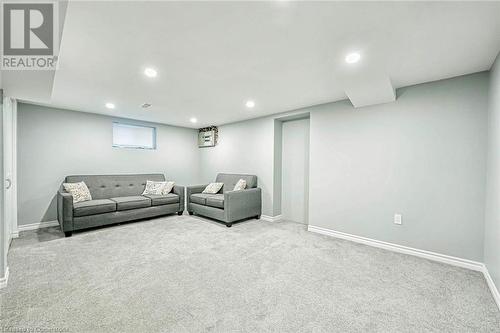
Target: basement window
column 134, row 136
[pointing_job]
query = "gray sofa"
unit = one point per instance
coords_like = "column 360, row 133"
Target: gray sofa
column 115, row 199
column 227, row 206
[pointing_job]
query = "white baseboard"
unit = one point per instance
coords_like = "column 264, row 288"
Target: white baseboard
column 5, row 279
column 446, row 259
column 35, row 226
column 271, row 218
column 493, row 287
column 465, row 263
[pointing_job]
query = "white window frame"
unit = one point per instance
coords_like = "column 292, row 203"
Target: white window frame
column 124, row 124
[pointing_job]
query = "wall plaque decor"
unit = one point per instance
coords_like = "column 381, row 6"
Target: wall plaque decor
column 207, row 136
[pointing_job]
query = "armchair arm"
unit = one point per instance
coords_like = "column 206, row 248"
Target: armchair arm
column 179, row 190
column 242, row 204
column 65, row 210
column 195, row 189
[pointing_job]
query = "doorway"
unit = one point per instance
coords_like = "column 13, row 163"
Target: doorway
column 295, row 171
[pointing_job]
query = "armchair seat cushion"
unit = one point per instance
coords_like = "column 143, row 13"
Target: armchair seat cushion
column 131, row 202
column 215, row 200
column 212, row 200
column 200, row 198
column 157, row 200
column 92, row 207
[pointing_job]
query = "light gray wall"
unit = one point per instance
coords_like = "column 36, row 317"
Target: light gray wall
column 423, row 156
column 295, row 185
column 492, row 219
column 53, row 143
column 244, row 147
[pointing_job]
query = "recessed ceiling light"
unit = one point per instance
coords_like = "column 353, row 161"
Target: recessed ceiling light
column 250, row 104
column 110, row 105
column 193, row 120
column 352, row 58
column 150, row 72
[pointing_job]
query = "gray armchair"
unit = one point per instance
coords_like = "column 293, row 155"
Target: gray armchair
column 227, row 206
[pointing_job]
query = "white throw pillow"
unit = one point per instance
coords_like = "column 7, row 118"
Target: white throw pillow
column 154, row 188
column 168, row 188
column 213, row 188
column 79, row 191
column 240, row 185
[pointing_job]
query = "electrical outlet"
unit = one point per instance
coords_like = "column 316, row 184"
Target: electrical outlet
column 398, row 219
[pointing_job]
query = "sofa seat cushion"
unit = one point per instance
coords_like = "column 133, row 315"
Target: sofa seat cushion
column 92, row 207
column 157, row 200
column 199, row 198
column 132, row 202
column 215, row 200
column 212, row 200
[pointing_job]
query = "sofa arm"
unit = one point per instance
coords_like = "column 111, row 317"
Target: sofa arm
column 179, row 190
column 194, row 189
column 65, row 211
column 243, row 204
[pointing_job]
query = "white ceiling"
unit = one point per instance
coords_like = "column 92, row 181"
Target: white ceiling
column 28, row 85
column 213, row 56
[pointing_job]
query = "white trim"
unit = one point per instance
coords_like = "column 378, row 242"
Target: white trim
column 5, row 279
column 493, row 288
column 271, row 218
column 35, row 226
column 442, row 258
column 15, row 231
column 460, row 262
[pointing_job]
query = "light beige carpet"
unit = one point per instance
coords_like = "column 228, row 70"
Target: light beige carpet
column 188, row 274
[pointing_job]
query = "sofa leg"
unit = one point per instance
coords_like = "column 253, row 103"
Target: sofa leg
column 68, row 233
column 258, row 217
column 190, row 213
column 229, row 225
column 180, row 213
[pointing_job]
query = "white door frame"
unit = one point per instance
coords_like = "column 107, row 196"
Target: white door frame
column 10, row 164
column 3, row 237
column 15, row 231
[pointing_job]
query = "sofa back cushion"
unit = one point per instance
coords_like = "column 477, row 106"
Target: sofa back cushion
column 110, row 186
column 230, row 179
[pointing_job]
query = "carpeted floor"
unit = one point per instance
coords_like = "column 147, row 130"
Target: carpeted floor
column 188, row 274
